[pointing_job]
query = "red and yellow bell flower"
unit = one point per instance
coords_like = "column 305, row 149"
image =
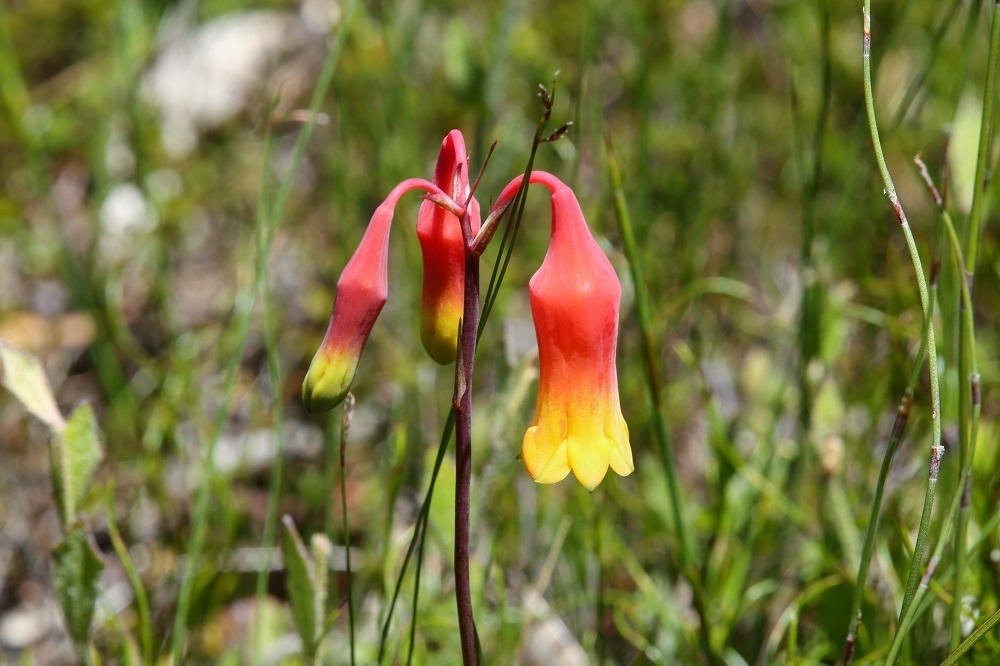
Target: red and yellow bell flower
column 361, row 292
column 443, row 249
column 574, row 298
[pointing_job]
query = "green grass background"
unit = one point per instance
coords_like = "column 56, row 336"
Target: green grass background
column 749, row 176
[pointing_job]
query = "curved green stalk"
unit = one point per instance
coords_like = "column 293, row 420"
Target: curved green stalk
column 968, row 433
column 895, row 436
column 141, row 600
column 921, row 603
column 973, row 638
column 907, row 616
column 898, row 426
column 936, row 449
column 967, row 347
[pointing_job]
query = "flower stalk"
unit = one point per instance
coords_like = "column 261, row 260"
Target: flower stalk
column 575, row 299
column 361, row 293
column 468, row 327
column 463, row 445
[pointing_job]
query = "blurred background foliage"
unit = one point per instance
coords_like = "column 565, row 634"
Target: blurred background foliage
column 131, row 157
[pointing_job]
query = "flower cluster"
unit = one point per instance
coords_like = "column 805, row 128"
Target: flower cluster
column 363, row 286
column 574, row 295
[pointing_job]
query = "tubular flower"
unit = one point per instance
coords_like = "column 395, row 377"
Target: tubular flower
column 443, row 248
column 574, row 297
column 361, row 292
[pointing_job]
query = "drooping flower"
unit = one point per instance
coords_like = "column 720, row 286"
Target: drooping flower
column 443, row 250
column 361, row 292
column 575, row 298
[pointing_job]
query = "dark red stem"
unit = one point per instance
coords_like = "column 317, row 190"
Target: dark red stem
column 463, row 446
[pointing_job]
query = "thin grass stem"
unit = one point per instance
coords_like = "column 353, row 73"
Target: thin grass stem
column 274, row 376
column 973, row 638
column 936, row 449
column 266, row 226
column 906, row 616
column 345, row 428
column 921, row 601
column 141, row 600
column 418, row 530
column 967, row 348
column 277, row 466
column 514, row 221
column 895, row 436
column 917, row 82
column 810, row 307
column 654, row 388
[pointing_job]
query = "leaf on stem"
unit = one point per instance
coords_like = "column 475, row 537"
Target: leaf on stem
column 76, row 451
column 76, row 569
column 22, row 374
column 301, row 583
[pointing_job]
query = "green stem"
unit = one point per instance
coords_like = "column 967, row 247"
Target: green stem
column 907, row 616
column 514, row 221
column 917, row 83
column 936, row 449
column 274, row 376
column 921, row 602
column 810, row 308
column 967, row 348
column 968, row 421
column 345, row 427
column 973, row 638
column 418, row 530
column 895, row 436
column 985, row 137
column 687, row 555
column 141, row 600
column 898, row 426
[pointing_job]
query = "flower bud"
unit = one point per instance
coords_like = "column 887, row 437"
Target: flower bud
column 361, row 292
column 443, row 249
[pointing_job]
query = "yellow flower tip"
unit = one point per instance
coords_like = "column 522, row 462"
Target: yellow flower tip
column 544, row 457
column 556, row 447
column 616, row 431
column 589, row 459
column 439, row 333
column 328, row 380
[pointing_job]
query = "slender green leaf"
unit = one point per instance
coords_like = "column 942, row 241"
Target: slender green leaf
column 321, row 548
column 23, row 375
column 76, row 452
column 299, row 567
column 75, row 574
